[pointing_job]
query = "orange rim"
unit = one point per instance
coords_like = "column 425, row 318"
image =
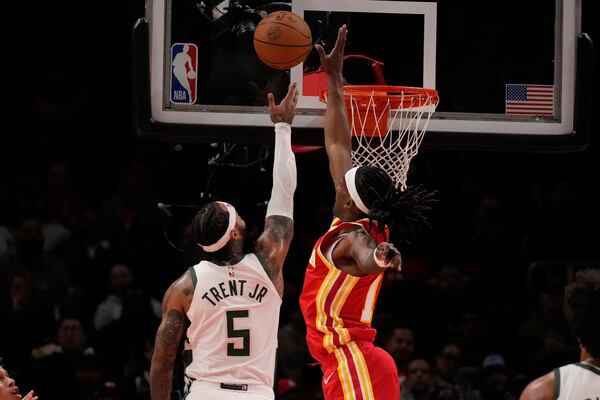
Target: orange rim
column 404, row 97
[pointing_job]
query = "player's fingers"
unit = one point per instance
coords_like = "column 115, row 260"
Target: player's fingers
column 29, row 396
column 320, row 52
column 341, row 38
column 397, row 263
column 391, row 255
column 289, row 96
column 293, row 89
column 399, row 267
column 294, row 93
column 271, row 99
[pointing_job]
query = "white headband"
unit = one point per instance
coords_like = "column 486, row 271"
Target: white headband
column 225, row 238
column 350, row 178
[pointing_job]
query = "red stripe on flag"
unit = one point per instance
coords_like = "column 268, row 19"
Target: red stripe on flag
column 536, row 100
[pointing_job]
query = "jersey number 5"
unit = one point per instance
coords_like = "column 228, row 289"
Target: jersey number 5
column 232, row 351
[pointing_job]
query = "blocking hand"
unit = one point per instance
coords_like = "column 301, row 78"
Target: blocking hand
column 334, row 61
column 286, row 110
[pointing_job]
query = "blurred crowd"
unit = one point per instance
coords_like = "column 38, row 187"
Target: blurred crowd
column 86, row 252
column 475, row 313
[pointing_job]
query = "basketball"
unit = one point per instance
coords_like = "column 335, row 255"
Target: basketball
column 282, row 40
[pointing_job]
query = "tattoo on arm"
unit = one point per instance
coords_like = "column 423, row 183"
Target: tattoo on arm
column 279, row 228
column 172, row 332
column 165, row 352
column 273, row 245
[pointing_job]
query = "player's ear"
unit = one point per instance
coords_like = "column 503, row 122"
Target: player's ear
column 235, row 234
column 349, row 203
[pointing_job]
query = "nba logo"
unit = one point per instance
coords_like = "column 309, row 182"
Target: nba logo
column 184, row 63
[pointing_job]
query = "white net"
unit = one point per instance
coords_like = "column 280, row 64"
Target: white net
column 388, row 130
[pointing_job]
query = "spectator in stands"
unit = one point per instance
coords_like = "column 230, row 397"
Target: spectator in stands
column 400, row 344
column 447, row 376
column 88, row 254
column 125, row 316
column 48, row 273
column 122, row 287
column 55, row 362
column 543, row 337
column 61, row 202
column 292, row 351
column 418, row 384
column 25, row 321
column 494, row 378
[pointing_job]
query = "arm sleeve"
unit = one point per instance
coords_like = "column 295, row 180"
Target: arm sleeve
column 284, row 174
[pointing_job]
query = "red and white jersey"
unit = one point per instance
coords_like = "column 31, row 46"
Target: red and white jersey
column 338, row 307
column 234, row 318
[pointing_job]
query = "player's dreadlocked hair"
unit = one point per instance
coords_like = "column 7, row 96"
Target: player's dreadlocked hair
column 582, row 307
column 208, row 226
column 405, row 213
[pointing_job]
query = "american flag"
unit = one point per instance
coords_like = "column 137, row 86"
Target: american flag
column 526, row 99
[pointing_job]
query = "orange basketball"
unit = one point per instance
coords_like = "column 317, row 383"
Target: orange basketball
column 282, row 40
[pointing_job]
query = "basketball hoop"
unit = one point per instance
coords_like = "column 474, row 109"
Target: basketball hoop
column 388, row 124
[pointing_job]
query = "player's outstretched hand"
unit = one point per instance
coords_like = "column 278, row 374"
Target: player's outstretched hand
column 334, row 61
column 286, row 110
column 387, row 256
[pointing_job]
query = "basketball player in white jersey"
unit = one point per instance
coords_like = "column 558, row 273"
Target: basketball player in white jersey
column 581, row 380
column 232, row 299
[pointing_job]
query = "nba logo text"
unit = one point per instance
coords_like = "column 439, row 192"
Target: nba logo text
column 184, row 63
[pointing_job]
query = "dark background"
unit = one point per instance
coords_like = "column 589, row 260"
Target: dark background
column 68, row 92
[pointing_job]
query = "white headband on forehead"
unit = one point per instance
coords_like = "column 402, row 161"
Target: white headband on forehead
column 350, row 178
column 225, row 238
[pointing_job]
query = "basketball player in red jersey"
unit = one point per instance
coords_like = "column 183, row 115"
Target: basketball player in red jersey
column 346, row 267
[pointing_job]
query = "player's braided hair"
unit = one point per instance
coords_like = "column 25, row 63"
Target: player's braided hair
column 404, row 212
column 208, row 226
column 582, row 307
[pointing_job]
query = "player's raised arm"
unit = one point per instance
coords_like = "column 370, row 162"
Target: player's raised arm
column 273, row 244
column 338, row 139
column 168, row 337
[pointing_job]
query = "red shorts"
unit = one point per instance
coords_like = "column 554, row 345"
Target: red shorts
column 360, row 372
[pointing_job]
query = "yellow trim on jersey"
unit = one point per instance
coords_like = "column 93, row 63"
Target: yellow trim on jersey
column 338, row 301
column 367, row 312
column 337, row 305
column 312, row 260
column 344, row 375
column 362, row 370
column 321, row 318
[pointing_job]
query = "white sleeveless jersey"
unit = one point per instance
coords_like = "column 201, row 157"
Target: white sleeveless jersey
column 234, row 317
column 577, row 381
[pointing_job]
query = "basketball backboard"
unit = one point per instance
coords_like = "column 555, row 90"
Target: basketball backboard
column 487, row 60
